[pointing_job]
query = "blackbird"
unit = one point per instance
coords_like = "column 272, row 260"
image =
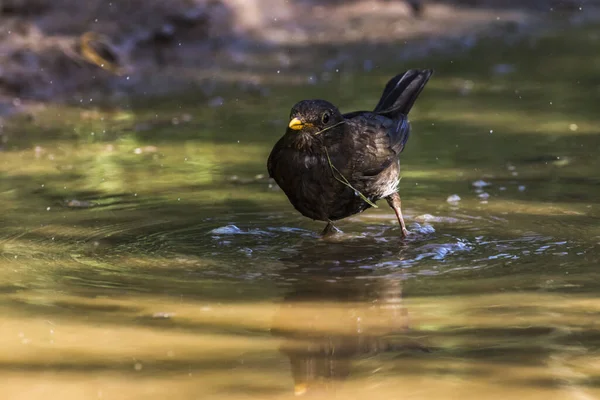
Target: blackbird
column 333, row 165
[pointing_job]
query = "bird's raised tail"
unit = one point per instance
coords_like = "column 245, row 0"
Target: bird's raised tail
column 401, row 92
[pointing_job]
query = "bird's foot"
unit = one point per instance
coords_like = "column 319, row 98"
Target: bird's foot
column 405, row 233
column 330, row 230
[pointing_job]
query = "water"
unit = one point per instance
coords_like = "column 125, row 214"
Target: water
column 152, row 260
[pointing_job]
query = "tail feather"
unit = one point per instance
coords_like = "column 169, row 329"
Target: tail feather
column 401, row 92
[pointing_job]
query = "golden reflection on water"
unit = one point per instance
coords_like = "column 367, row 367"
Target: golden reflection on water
column 352, row 338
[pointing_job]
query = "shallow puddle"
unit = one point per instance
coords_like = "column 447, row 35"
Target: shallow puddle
column 151, row 259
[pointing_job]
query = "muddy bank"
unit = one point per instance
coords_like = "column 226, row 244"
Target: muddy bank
column 73, row 51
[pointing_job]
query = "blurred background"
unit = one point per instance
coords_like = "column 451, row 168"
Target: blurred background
column 155, row 47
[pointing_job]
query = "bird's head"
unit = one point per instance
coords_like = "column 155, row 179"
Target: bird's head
column 314, row 117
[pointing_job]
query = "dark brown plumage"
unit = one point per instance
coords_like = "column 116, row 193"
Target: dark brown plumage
column 363, row 147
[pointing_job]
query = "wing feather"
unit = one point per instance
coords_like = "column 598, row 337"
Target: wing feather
column 377, row 141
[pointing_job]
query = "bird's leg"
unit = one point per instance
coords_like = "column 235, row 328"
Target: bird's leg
column 396, row 204
column 330, row 230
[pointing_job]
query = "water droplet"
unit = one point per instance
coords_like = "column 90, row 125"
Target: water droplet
column 453, row 198
column 226, row 230
column 481, row 183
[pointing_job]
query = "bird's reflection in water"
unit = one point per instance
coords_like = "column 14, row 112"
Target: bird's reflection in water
column 338, row 310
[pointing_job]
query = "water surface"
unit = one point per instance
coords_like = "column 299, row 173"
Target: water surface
column 144, row 254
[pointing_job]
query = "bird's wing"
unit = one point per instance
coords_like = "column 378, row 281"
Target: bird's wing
column 377, row 141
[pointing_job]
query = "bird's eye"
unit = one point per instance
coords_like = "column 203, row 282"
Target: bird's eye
column 325, row 117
